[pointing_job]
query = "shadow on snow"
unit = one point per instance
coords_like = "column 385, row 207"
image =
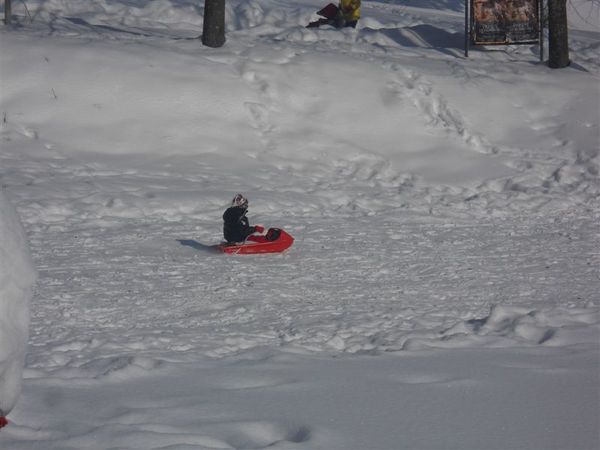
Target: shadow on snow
column 197, row 245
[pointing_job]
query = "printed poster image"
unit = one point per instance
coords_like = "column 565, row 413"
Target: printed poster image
column 504, row 21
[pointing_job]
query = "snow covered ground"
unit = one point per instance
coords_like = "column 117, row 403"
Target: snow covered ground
column 443, row 288
column 17, row 280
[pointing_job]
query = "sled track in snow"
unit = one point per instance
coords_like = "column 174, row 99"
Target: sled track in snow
column 402, row 288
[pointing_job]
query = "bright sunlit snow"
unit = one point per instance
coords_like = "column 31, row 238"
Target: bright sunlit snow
column 443, row 288
column 17, row 277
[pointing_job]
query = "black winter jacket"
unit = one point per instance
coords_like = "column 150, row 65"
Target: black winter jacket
column 236, row 227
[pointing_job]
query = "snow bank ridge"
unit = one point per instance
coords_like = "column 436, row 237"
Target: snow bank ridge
column 507, row 325
column 503, row 327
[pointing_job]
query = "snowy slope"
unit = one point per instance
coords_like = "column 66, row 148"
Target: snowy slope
column 445, row 212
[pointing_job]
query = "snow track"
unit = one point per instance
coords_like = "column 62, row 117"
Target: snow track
column 442, row 282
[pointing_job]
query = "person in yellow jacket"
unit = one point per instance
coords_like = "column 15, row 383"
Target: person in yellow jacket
column 345, row 14
column 350, row 12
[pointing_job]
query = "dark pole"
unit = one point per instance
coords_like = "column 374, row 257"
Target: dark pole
column 558, row 36
column 466, row 28
column 541, row 25
column 213, row 30
column 7, row 12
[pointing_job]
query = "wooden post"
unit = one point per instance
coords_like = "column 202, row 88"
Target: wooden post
column 213, row 30
column 558, row 37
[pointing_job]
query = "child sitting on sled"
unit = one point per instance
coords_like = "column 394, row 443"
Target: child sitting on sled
column 235, row 223
column 346, row 14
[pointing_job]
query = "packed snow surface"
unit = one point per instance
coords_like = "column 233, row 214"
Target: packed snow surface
column 443, row 288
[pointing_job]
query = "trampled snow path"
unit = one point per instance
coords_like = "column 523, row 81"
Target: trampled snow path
column 124, row 249
column 412, row 284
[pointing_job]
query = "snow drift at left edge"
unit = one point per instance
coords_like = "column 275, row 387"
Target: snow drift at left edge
column 17, row 280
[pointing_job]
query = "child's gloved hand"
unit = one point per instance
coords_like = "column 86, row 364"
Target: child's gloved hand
column 259, row 229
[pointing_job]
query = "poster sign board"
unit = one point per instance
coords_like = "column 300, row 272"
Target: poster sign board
column 504, row 22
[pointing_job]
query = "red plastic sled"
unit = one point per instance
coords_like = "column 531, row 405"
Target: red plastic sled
column 275, row 241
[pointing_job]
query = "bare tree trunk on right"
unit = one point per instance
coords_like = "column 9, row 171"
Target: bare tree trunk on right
column 213, row 31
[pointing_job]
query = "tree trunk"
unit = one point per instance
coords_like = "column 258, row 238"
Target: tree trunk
column 213, row 31
column 558, row 38
column 7, row 12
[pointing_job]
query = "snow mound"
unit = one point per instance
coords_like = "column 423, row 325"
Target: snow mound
column 507, row 326
column 155, row 13
column 17, row 277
